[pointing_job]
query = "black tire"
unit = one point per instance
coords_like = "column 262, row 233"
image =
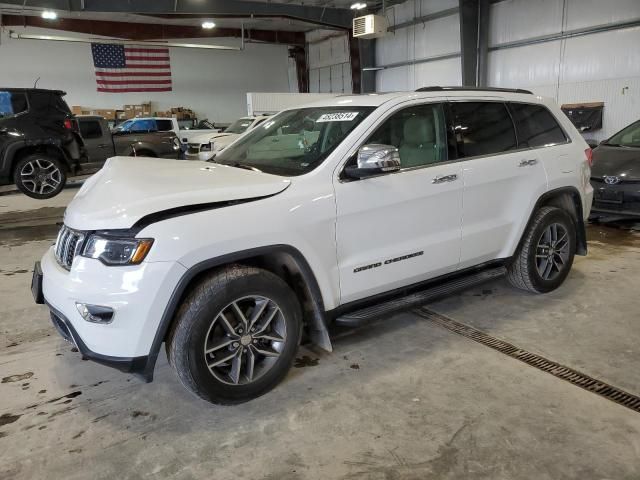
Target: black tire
column 199, row 314
column 523, row 272
column 40, row 176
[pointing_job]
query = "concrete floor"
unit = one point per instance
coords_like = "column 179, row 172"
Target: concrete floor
column 403, row 399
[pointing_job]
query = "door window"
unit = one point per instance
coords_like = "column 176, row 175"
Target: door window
column 164, row 125
column 536, row 126
column 12, row 103
column 90, row 129
column 483, row 128
column 417, row 132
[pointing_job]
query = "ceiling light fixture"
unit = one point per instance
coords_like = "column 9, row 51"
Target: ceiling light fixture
column 208, row 25
column 49, row 15
column 358, row 6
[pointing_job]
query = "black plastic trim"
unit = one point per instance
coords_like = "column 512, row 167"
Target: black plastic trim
column 191, row 273
column 189, row 209
column 473, row 89
column 135, row 365
column 413, row 288
column 581, row 229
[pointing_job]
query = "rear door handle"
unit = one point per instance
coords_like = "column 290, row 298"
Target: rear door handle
column 445, row 178
column 528, row 163
column 103, row 145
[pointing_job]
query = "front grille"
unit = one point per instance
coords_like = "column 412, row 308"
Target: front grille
column 67, row 246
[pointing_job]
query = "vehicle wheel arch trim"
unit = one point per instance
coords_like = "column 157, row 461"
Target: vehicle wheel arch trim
column 317, row 325
column 13, row 152
column 581, row 236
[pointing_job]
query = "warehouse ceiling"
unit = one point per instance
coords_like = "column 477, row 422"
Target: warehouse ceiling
column 278, row 15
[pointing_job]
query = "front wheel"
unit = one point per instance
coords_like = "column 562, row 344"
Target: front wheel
column 39, row 176
column 545, row 256
column 236, row 335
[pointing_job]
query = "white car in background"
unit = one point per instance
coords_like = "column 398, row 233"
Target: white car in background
column 205, row 146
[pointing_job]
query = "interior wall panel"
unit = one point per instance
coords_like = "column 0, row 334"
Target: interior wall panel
column 595, row 67
column 520, row 19
column 327, row 53
column 587, row 13
column 423, row 40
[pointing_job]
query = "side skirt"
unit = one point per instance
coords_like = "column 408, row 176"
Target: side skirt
column 361, row 312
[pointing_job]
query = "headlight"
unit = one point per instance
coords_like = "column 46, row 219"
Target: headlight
column 117, row 251
column 205, row 147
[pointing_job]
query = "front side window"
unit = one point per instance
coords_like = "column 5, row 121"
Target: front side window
column 417, row 132
column 90, row 129
column 483, row 128
column 627, row 137
column 294, row 142
column 12, row 103
column 536, row 126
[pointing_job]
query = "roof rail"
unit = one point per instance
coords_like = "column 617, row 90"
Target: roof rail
column 473, row 89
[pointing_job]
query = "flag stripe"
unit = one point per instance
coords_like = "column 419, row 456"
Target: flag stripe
column 146, row 65
column 146, row 50
column 134, row 82
column 133, row 74
column 129, row 90
column 146, row 58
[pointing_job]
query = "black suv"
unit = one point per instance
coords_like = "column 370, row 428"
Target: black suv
column 39, row 141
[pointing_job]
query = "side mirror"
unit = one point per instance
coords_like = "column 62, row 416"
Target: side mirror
column 375, row 159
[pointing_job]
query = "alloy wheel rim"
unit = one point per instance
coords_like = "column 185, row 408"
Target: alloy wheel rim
column 245, row 340
column 40, row 176
column 552, row 251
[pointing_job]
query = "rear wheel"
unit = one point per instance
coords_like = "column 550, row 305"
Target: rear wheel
column 236, row 335
column 39, row 176
column 544, row 259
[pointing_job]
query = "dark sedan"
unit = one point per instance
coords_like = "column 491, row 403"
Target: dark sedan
column 615, row 175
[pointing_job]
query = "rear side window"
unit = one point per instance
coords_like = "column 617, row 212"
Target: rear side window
column 147, row 125
column 483, row 128
column 164, row 125
column 12, row 103
column 90, row 129
column 536, row 126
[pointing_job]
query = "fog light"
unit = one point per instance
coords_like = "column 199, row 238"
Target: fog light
column 95, row 313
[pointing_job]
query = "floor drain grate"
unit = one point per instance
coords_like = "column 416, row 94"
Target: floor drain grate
column 601, row 388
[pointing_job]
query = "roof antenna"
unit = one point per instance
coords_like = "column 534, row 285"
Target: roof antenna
column 36, row 82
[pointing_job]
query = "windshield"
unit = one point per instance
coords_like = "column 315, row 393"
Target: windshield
column 239, row 126
column 627, row 137
column 294, row 141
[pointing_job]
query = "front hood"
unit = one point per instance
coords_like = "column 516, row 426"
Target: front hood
column 129, row 188
column 616, row 161
column 210, row 137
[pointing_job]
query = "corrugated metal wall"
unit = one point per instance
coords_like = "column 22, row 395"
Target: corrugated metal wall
column 419, row 42
column 329, row 62
column 596, row 67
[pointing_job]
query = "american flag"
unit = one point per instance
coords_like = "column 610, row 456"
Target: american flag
column 123, row 68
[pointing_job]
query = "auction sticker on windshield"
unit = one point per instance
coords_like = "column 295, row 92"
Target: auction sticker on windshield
column 337, row 117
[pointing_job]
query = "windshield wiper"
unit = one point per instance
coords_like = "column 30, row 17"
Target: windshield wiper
column 243, row 166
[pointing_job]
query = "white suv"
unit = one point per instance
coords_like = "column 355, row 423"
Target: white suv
column 342, row 210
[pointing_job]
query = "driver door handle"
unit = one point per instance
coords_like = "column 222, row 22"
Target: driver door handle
column 445, row 178
column 528, row 163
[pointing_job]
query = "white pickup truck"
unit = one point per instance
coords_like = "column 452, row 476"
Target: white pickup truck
column 205, row 145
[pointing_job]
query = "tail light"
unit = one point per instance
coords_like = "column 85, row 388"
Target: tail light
column 71, row 124
column 589, row 154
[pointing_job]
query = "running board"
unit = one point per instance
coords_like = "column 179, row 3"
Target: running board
column 360, row 317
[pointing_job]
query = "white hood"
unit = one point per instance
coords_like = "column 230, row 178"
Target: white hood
column 214, row 137
column 129, row 188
